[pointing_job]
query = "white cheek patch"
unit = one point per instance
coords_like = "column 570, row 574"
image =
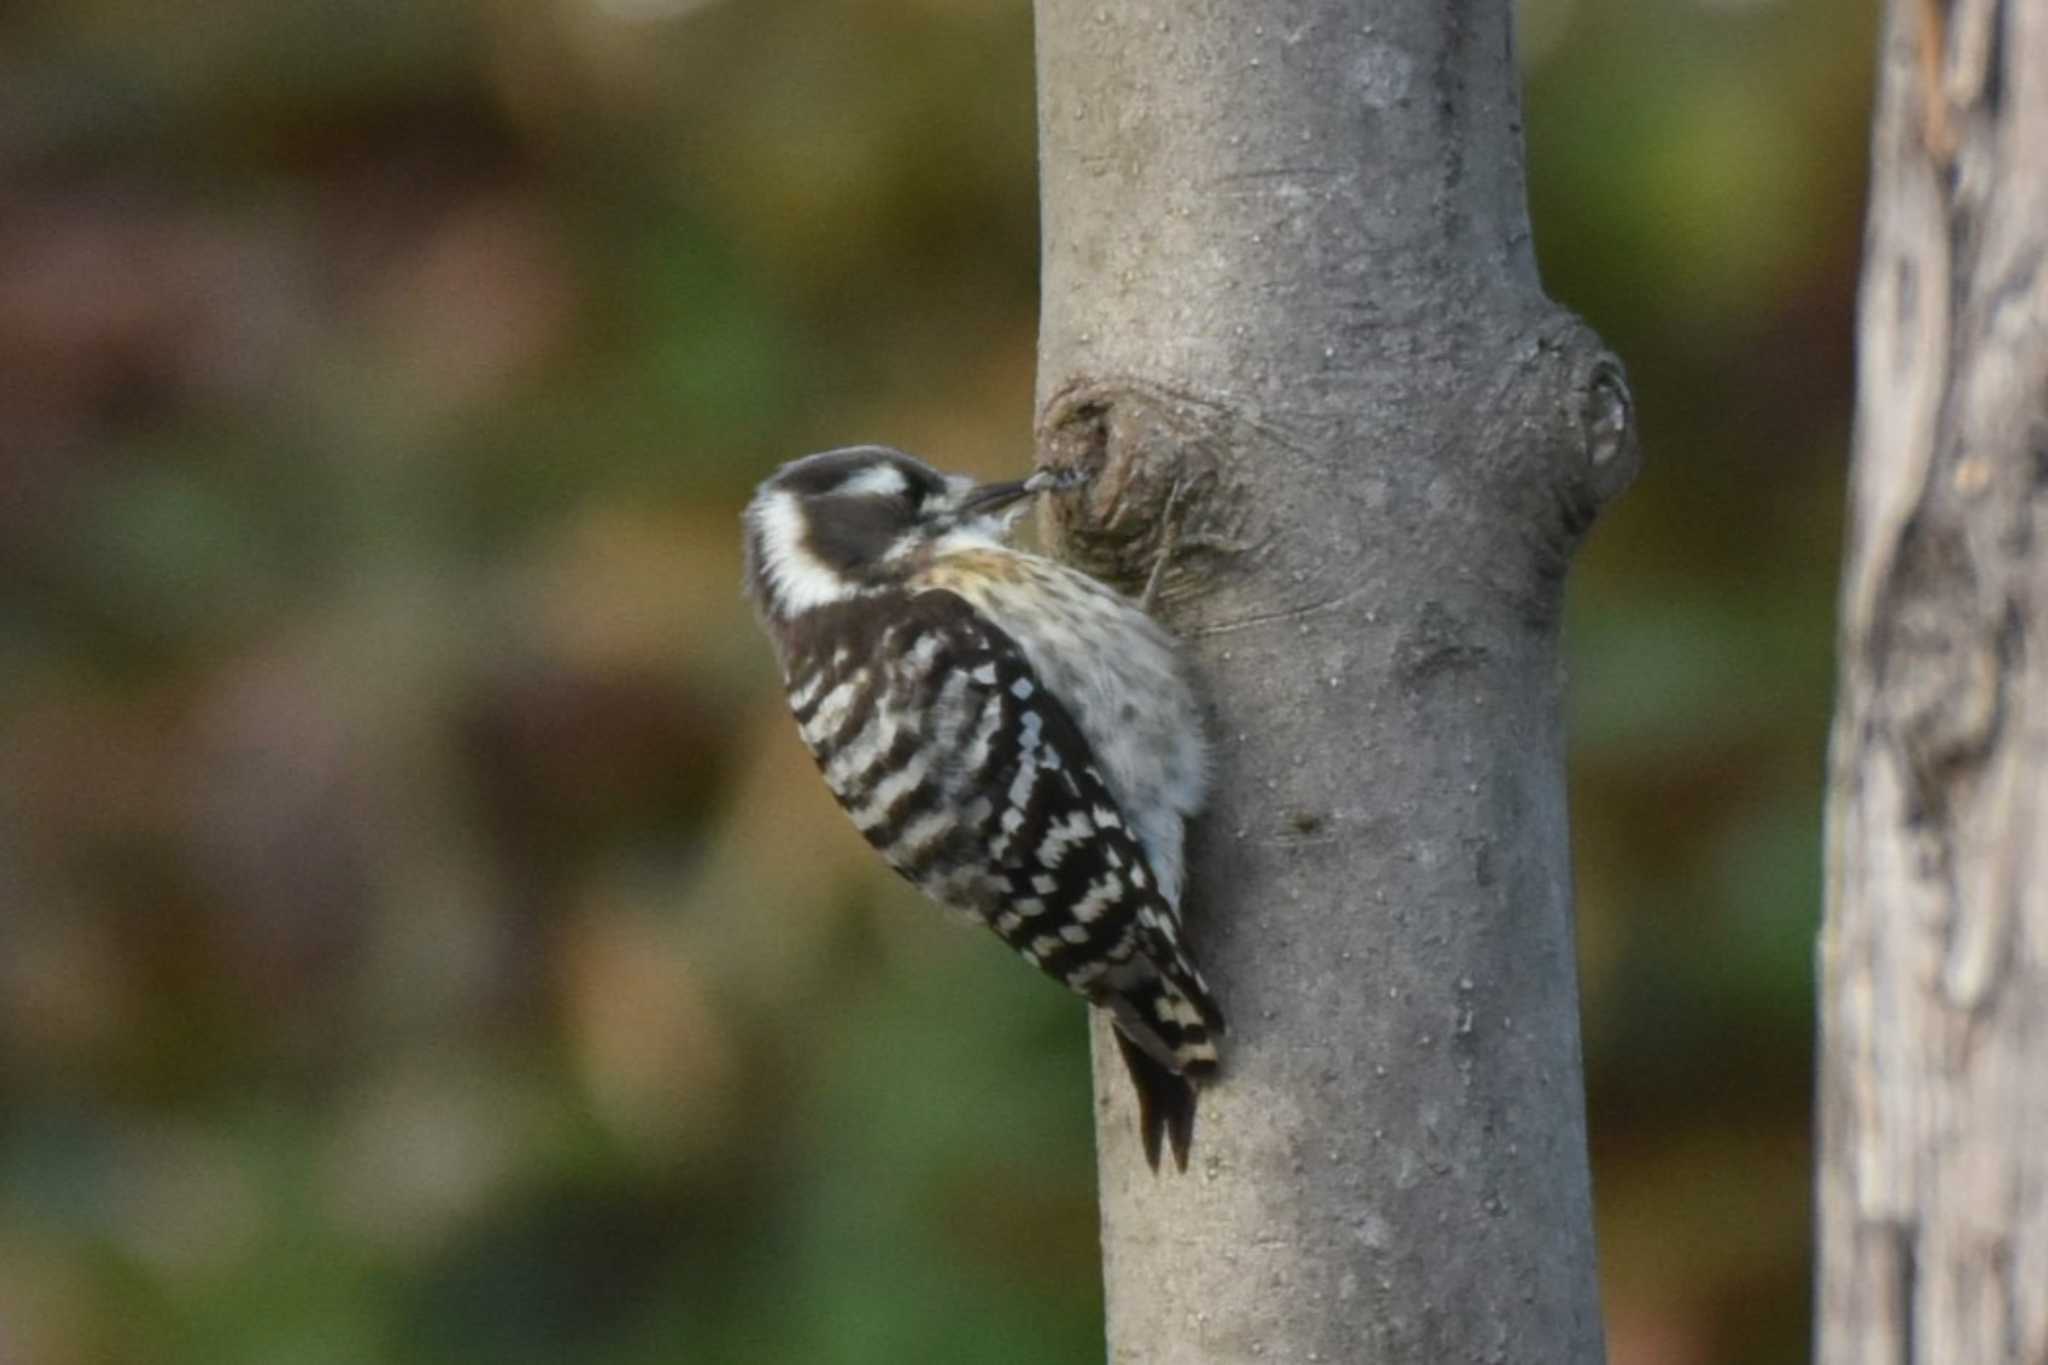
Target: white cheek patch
column 798, row 579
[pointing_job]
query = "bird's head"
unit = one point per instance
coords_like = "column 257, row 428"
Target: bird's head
column 835, row 526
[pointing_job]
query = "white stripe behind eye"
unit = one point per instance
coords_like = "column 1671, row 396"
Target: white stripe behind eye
column 880, row 480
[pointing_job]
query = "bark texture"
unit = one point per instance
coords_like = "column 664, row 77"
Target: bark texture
column 1934, row 956
column 1293, row 324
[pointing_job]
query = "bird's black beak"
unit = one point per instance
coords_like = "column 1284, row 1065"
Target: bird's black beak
column 994, row 497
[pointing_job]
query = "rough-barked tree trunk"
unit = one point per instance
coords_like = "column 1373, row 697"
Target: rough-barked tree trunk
column 1934, row 956
column 1291, row 310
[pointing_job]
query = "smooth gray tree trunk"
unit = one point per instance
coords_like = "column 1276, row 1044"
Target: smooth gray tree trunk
column 1934, row 955
column 1291, row 309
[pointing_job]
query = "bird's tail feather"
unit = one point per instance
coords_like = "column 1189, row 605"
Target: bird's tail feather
column 1166, row 1102
column 1167, row 1035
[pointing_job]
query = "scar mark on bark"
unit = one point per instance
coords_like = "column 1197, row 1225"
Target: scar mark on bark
column 1437, row 643
column 1282, row 616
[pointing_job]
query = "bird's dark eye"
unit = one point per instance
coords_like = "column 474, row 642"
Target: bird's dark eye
column 920, row 486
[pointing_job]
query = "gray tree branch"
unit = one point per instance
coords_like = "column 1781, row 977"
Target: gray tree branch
column 1288, row 271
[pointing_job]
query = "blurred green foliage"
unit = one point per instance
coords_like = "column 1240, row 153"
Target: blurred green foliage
column 421, row 938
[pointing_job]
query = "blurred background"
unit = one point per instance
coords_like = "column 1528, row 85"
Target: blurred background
column 422, row 938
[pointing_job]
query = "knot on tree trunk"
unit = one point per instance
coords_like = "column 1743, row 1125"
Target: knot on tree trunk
column 1154, row 479
column 1559, row 433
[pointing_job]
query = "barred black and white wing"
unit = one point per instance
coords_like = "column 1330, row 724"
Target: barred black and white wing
column 974, row 782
